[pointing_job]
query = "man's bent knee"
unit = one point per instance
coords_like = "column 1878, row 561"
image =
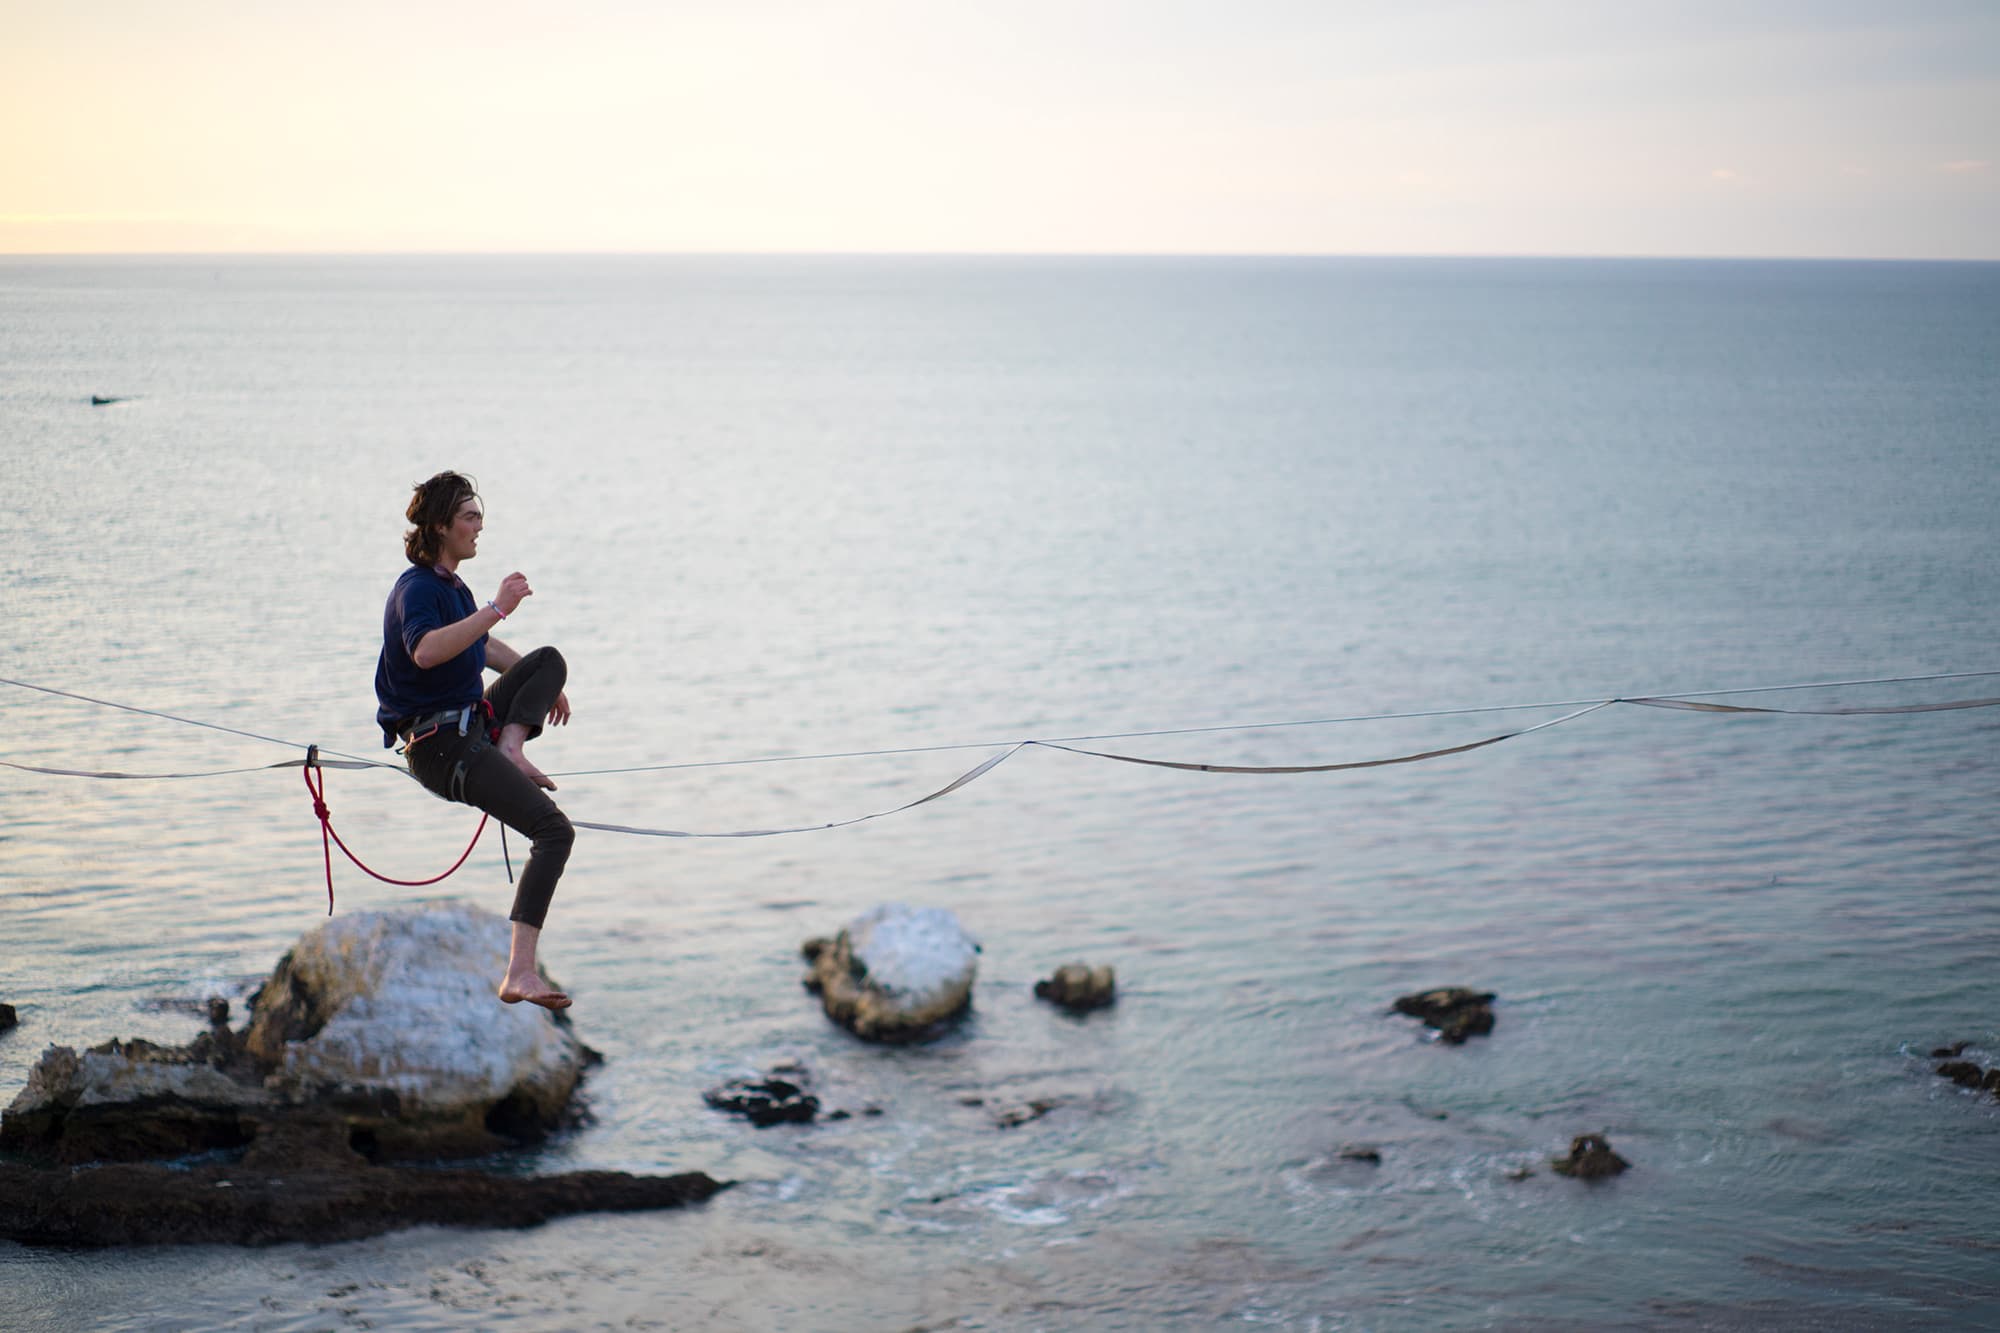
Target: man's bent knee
column 553, row 832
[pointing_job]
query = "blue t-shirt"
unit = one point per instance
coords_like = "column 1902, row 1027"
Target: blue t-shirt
column 425, row 598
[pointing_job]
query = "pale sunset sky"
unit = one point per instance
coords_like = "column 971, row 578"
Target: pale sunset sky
column 1535, row 127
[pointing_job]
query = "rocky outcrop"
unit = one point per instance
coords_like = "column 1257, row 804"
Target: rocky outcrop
column 8, row 1018
column 378, row 1036
column 896, row 973
column 1079, row 987
column 1456, row 1013
column 386, row 1022
column 1590, row 1158
column 315, row 1200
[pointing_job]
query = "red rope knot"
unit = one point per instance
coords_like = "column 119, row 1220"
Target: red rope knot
column 328, row 839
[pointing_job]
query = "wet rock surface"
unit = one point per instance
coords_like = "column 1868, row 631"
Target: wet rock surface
column 242, row 1204
column 1969, row 1075
column 1079, row 987
column 1455, row 1011
column 766, row 1101
column 1590, row 1158
column 8, row 1018
column 895, row 974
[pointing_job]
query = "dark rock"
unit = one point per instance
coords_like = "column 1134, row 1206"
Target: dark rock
column 1969, row 1075
column 1456, row 1013
column 245, row 1204
column 767, row 1101
column 1033, row 1110
column 302, row 1143
column 1013, row 1113
column 1079, row 987
column 1951, row 1052
column 1963, row 1072
column 104, row 400
column 1361, row 1152
column 1590, row 1158
column 7, row 1017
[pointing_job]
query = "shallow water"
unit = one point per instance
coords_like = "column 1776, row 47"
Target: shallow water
column 806, row 506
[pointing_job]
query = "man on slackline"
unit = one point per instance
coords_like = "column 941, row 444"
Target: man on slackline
column 461, row 742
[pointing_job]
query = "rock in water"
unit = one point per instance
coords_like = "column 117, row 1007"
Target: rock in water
column 7, row 1018
column 386, row 1020
column 1079, row 987
column 1456, row 1013
column 313, row 1203
column 379, row 1035
column 400, row 1008
column 1969, row 1075
column 896, row 973
column 1590, row 1158
column 767, row 1101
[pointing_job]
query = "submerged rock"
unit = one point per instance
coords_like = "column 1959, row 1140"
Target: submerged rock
column 1079, row 987
column 384, row 1021
column 1456, row 1013
column 1590, row 1158
column 7, row 1017
column 1034, row 1108
column 895, row 973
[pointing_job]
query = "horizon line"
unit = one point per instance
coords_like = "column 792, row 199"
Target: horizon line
column 1571, row 256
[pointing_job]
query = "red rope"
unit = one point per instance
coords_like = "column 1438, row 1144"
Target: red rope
column 326, row 831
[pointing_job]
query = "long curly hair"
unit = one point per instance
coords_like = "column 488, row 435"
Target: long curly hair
column 433, row 505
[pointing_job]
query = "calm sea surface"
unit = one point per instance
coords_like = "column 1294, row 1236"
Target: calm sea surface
column 799, row 506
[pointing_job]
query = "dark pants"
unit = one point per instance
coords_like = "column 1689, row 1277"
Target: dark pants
column 469, row 768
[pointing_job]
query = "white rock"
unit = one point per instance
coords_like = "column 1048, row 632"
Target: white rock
column 896, row 972
column 386, row 1022
column 404, row 1002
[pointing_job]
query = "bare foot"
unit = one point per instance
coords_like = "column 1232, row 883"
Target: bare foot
column 520, row 760
column 514, row 990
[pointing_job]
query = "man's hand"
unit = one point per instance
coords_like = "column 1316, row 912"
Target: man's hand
column 559, row 713
column 512, row 589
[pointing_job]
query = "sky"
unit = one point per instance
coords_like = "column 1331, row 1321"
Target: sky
column 1531, row 127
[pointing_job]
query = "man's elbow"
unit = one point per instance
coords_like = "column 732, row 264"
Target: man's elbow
column 424, row 656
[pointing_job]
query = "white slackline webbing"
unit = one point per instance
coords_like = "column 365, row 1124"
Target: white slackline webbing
column 319, row 760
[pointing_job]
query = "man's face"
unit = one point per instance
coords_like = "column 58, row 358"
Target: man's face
column 461, row 536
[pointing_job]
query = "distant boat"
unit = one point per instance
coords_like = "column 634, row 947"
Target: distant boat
column 99, row 400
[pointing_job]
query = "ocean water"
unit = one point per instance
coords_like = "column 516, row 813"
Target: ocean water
column 781, row 507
